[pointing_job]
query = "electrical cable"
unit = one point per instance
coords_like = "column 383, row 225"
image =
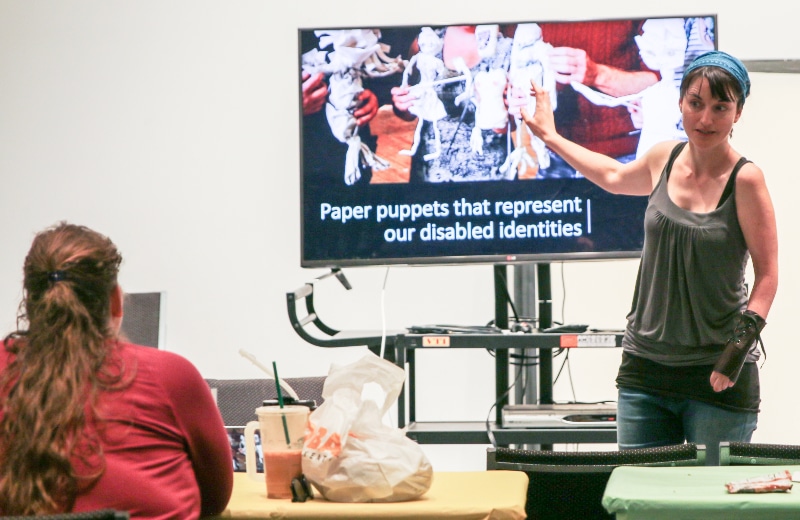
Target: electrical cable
column 489, row 432
column 518, row 320
column 522, row 357
column 563, row 293
column 383, row 313
column 569, row 376
column 564, row 363
column 508, row 297
column 564, row 320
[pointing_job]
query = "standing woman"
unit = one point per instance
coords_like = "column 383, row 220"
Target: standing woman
column 89, row 421
column 690, row 348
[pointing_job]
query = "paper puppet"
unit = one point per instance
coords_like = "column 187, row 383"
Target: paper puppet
column 528, row 63
column 488, row 88
column 357, row 53
column 662, row 46
column 428, row 106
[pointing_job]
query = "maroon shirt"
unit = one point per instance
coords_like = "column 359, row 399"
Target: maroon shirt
column 606, row 130
column 167, row 453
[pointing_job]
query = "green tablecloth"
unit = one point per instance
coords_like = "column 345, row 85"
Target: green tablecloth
column 684, row 493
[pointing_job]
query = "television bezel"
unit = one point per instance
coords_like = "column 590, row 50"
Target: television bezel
column 456, row 259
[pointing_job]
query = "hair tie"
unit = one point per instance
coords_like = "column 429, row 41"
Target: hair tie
column 56, row 276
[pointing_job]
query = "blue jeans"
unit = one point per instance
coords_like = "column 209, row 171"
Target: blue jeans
column 646, row 420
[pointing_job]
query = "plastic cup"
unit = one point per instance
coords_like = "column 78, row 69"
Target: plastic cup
column 282, row 459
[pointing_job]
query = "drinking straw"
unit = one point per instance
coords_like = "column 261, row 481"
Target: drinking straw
column 284, row 385
column 280, row 403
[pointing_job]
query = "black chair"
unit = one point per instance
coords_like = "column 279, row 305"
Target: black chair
column 143, row 321
column 747, row 454
column 238, row 399
column 569, row 485
column 102, row 514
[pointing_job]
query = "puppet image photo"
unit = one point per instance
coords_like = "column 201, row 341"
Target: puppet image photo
column 456, row 82
column 356, row 54
column 428, row 106
column 666, row 45
column 662, row 46
column 528, row 63
column 488, row 87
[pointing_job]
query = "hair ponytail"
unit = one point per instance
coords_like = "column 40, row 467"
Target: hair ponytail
column 61, row 356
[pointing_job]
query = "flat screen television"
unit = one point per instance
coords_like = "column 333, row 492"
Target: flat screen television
column 413, row 151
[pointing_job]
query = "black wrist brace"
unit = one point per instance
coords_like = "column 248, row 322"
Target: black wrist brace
column 746, row 331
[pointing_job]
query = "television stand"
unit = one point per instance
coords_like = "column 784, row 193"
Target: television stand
column 496, row 432
column 478, row 432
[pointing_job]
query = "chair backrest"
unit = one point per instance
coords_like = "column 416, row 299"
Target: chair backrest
column 238, row 399
column 143, row 322
column 755, row 454
column 570, row 484
column 102, row 514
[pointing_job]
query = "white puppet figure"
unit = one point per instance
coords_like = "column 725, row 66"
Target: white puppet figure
column 357, row 53
column 528, row 63
column 488, row 87
column 662, row 46
column 428, row 106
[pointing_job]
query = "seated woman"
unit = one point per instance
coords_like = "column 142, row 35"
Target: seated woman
column 89, row 421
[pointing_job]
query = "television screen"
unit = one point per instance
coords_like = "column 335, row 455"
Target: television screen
column 414, row 151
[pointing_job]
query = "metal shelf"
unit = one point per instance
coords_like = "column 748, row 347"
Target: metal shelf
column 467, row 432
column 406, row 344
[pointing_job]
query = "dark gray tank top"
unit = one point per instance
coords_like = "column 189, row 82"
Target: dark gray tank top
column 691, row 281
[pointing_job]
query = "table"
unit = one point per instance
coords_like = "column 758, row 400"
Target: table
column 489, row 495
column 686, row 493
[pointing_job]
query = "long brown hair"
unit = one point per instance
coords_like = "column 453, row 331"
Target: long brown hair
column 60, row 357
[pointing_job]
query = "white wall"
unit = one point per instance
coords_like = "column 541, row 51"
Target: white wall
column 171, row 126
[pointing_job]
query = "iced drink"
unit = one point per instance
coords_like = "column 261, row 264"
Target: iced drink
column 282, row 432
column 281, row 467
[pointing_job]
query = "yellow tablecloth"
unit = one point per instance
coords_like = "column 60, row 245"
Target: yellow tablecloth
column 696, row 493
column 484, row 495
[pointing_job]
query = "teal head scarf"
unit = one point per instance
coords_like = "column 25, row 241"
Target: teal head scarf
column 726, row 62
